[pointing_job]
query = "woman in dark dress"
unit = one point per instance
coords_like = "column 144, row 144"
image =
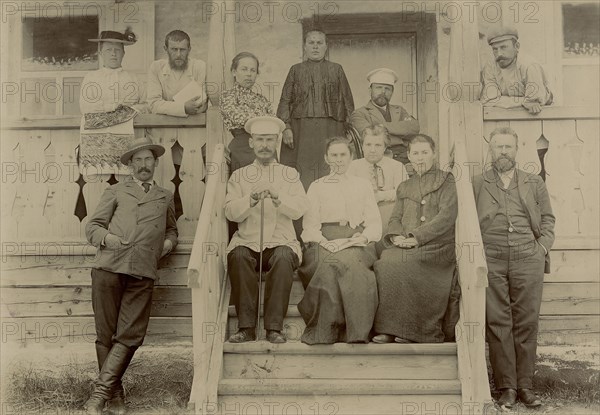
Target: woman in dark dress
column 315, row 104
column 339, row 231
column 239, row 104
column 416, row 269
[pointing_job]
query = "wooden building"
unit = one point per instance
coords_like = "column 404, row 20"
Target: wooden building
column 437, row 47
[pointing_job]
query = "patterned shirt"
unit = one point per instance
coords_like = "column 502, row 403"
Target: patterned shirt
column 239, row 104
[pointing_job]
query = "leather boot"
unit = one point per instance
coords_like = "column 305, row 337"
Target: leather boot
column 116, row 404
column 113, row 368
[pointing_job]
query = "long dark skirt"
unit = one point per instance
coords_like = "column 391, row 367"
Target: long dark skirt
column 310, row 137
column 414, row 288
column 239, row 149
column 340, row 296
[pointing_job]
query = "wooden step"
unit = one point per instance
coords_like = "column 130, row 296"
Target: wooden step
column 354, row 404
column 293, row 360
column 339, row 387
column 340, row 397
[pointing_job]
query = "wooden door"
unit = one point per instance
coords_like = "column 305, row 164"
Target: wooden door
column 361, row 53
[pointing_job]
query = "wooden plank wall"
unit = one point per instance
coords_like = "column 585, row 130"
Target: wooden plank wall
column 47, row 299
column 45, row 284
column 570, row 310
column 40, row 186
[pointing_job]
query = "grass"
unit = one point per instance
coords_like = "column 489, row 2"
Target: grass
column 153, row 381
column 159, row 381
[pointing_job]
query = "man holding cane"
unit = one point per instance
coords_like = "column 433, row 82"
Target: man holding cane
column 263, row 198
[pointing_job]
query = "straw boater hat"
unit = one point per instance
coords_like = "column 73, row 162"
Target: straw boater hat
column 500, row 33
column 142, row 143
column 264, row 125
column 127, row 38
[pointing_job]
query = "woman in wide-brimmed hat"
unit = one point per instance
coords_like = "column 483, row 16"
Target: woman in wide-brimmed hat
column 110, row 86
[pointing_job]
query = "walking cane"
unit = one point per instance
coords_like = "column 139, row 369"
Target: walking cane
column 260, row 260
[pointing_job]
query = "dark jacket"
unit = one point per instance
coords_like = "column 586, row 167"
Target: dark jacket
column 426, row 209
column 401, row 126
column 145, row 220
column 534, row 197
column 314, row 90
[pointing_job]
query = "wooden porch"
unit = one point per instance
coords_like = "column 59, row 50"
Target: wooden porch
column 46, row 261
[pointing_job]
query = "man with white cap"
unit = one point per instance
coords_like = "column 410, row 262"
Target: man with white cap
column 110, row 86
column 513, row 80
column 396, row 119
column 284, row 201
column 133, row 227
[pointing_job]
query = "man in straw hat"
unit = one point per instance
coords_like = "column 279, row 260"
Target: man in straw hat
column 108, row 87
column 284, row 201
column 133, row 227
column 513, row 80
column 379, row 111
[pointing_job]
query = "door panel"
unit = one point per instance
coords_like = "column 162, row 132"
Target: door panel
column 361, row 53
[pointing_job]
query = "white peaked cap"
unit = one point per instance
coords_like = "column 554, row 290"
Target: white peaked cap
column 382, row 76
column 264, row 125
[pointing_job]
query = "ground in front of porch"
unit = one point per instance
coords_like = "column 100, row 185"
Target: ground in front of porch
column 159, row 380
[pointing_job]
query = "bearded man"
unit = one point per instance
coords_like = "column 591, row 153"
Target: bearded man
column 167, row 77
column 378, row 111
column 517, row 228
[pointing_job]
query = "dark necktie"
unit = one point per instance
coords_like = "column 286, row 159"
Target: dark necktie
column 387, row 116
column 146, row 187
column 377, row 177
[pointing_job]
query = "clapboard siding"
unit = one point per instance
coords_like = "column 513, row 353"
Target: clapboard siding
column 43, row 295
column 63, row 331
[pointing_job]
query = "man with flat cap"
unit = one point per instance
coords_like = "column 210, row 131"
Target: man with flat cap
column 110, row 86
column 379, row 111
column 133, row 227
column 513, row 80
column 284, row 201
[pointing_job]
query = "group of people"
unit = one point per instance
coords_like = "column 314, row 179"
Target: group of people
column 371, row 239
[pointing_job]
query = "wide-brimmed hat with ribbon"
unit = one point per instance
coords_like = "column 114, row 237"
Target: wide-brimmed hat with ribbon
column 139, row 144
column 127, row 38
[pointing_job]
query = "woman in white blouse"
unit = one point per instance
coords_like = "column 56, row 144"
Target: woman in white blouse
column 339, row 231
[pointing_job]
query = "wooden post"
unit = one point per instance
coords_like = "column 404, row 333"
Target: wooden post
column 206, row 269
column 465, row 125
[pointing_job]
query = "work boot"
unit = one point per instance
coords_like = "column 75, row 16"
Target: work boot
column 113, row 368
column 116, row 404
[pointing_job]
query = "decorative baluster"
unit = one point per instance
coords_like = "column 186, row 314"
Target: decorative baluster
column 527, row 157
column 192, row 174
column 560, row 172
column 542, row 145
column 587, row 131
column 176, row 180
column 12, row 179
column 32, row 192
column 66, row 223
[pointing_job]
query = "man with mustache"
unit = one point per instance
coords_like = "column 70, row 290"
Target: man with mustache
column 133, row 227
column 517, row 228
column 167, row 77
column 379, row 111
column 513, row 79
column 284, row 201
